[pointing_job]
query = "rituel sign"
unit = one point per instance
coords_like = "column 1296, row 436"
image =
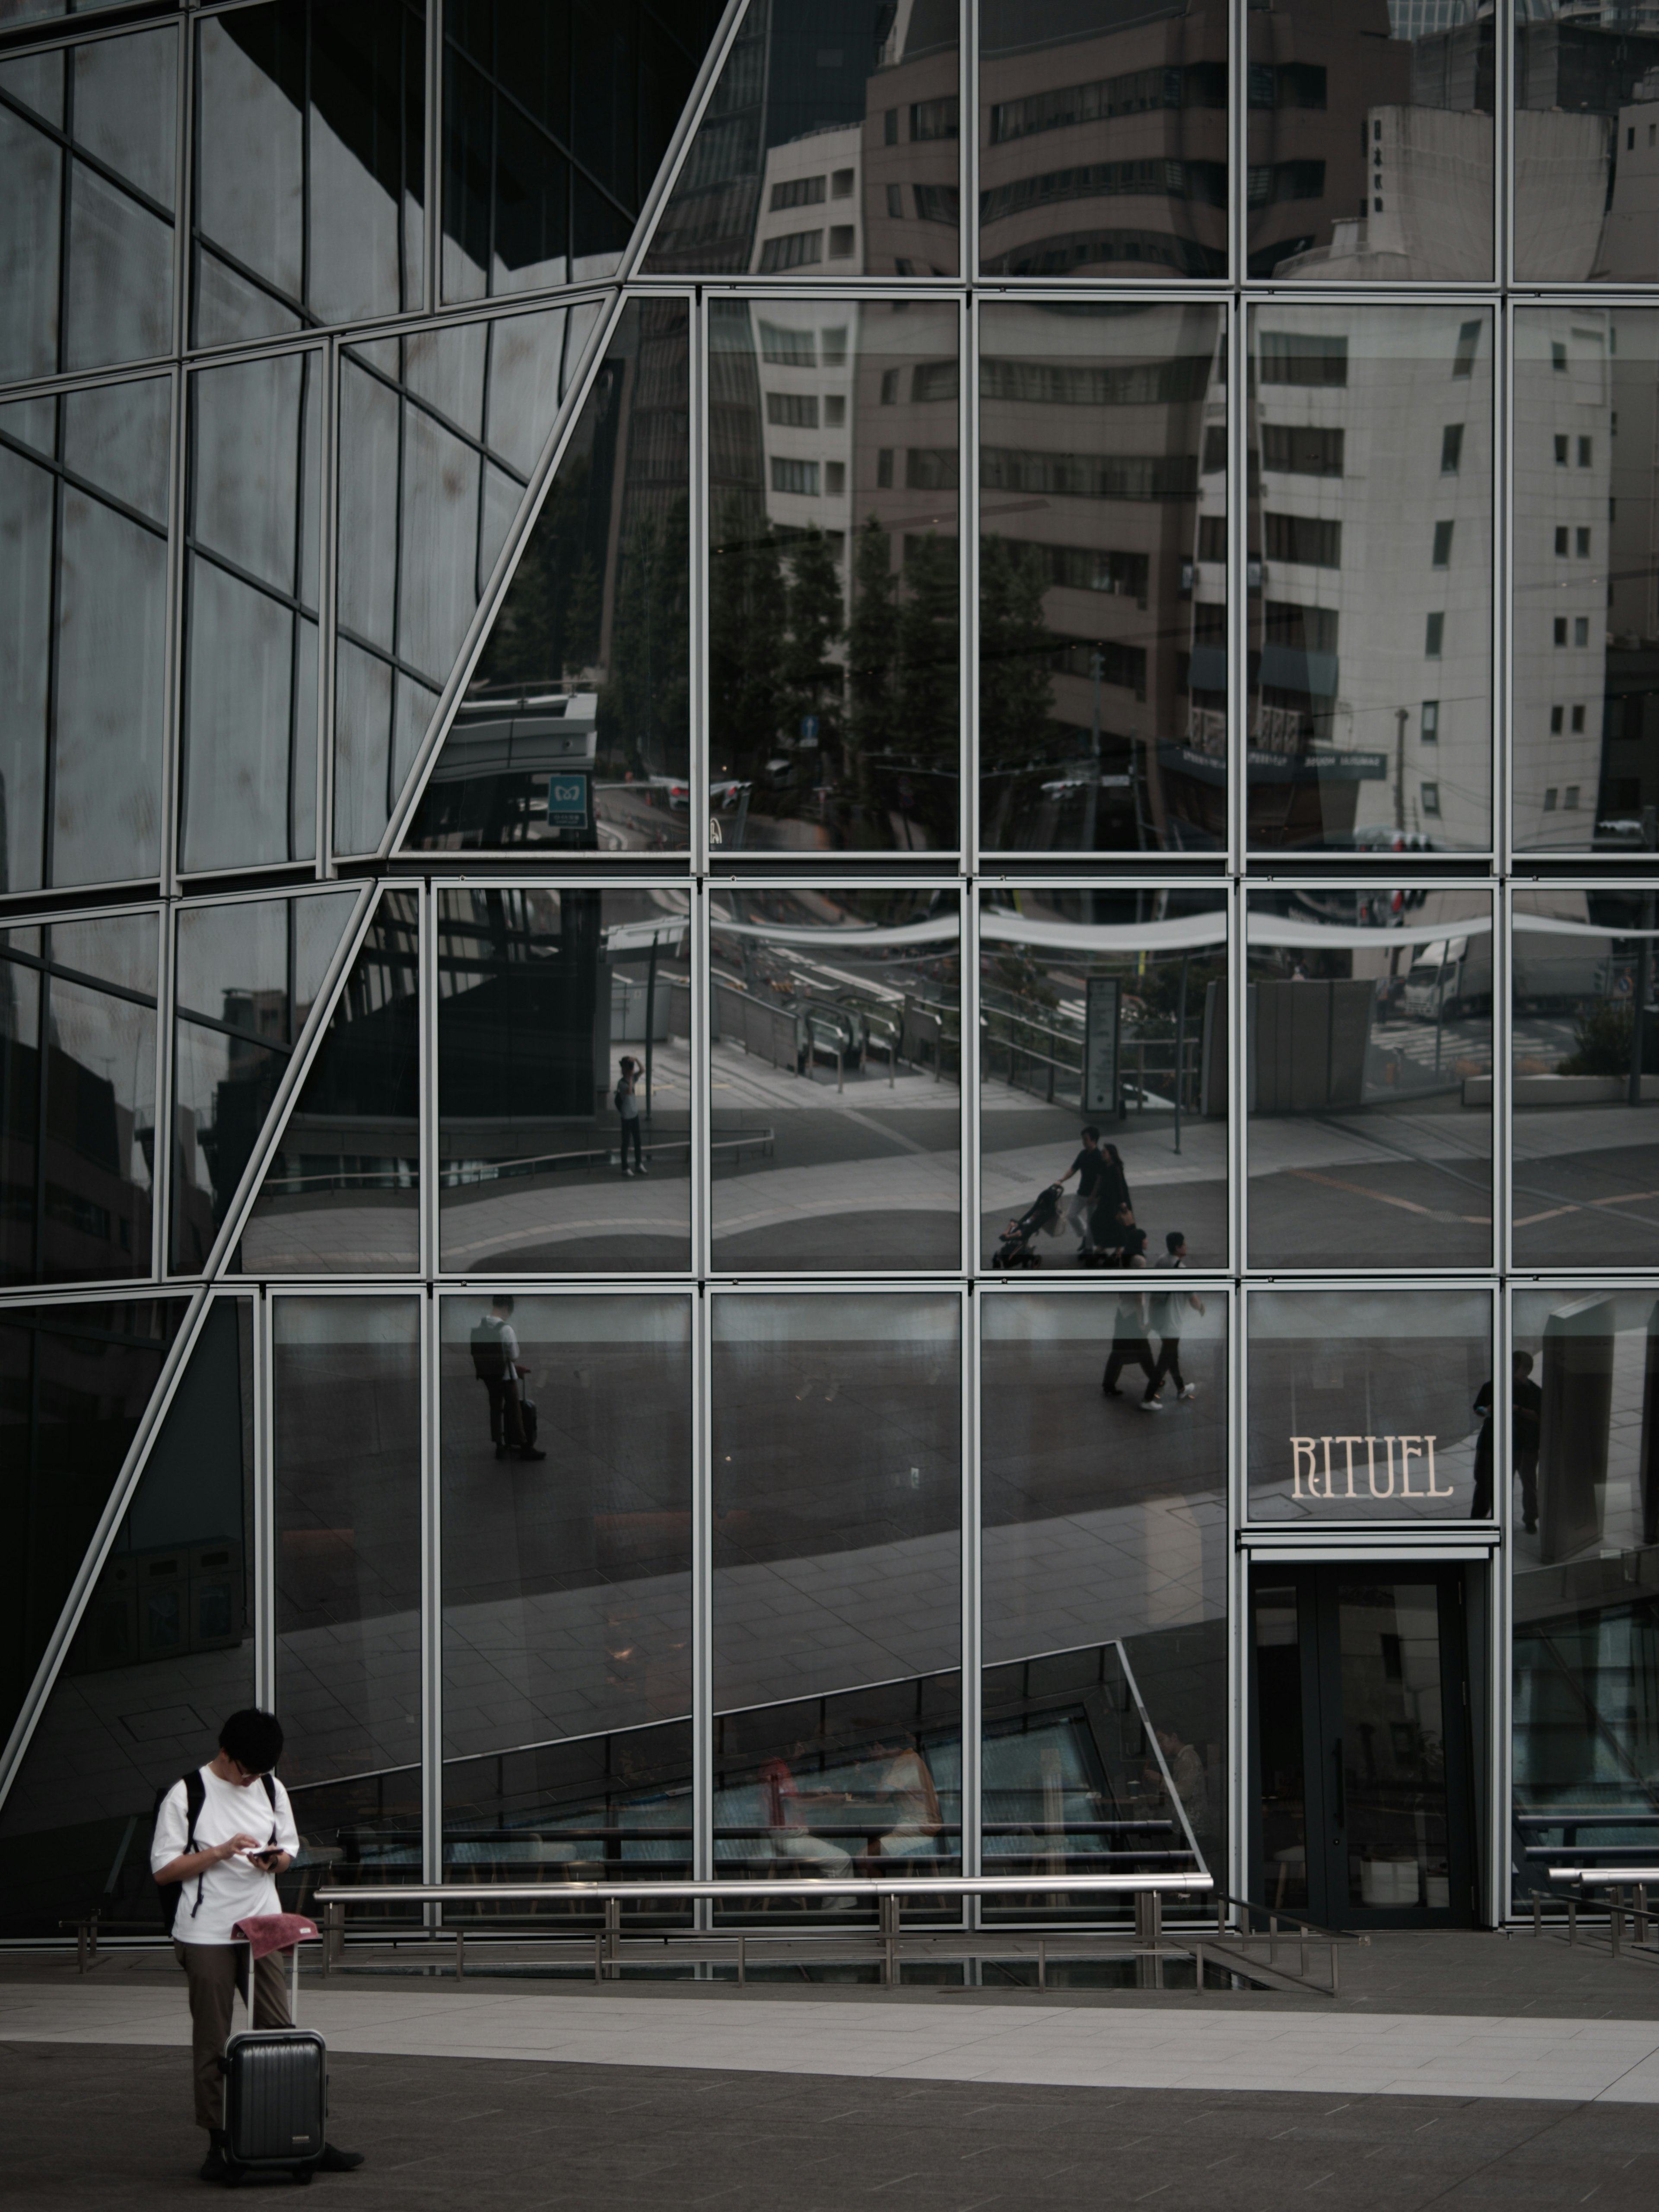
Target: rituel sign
column 1365, row 1467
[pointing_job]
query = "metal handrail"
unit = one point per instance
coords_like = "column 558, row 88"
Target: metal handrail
column 874, row 1885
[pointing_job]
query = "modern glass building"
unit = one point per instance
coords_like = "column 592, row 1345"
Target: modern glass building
column 646, row 652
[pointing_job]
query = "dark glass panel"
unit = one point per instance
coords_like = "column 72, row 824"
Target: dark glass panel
column 1586, row 140
column 340, row 1195
column 1102, row 144
column 542, row 995
column 1586, row 579
column 116, row 436
column 574, row 731
column 21, row 988
column 824, row 150
column 834, row 612
column 1370, row 579
column 26, row 506
column 309, row 165
column 163, row 1653
column 837, row 1608
column 253, row 968
column 120, row 276
column 346, row 1387
column 1368, row 1054
column 123, row 93
column 1104, row 1584
column 1584, row 1076
column 30, row 215
column 566, row 1587
column 836, row 1080
column 1102, row 654
column 74, row 1384
column 1408, row 1372
column 1104, row 1010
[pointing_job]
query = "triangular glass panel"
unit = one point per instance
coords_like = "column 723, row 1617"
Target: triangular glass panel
column 575, row 732
column 341, row 1194
column 164, row 1651
column 75, row 1381
column 439, row 433
column 247, row 972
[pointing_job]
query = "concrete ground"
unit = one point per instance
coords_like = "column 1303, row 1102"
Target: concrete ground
column 1455, row 2069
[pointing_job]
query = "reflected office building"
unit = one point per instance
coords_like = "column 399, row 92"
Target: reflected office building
column 828, row 901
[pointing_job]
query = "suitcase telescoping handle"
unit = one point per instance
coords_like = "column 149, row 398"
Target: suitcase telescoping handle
column 276, row 1931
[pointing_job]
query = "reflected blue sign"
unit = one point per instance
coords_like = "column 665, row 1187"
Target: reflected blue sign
column 567, row 802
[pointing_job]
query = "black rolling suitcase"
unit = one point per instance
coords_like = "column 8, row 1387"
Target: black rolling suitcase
column 275, row 2098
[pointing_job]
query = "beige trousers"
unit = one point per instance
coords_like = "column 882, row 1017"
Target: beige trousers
column 217, row 1973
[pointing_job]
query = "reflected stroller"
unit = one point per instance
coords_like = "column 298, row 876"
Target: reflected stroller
column 1041, row 1218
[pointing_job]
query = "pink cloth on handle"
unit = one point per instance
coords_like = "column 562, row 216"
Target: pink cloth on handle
column 275, row 1931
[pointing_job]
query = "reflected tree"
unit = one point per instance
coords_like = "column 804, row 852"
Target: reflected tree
column 645, row 704
column 1016, row 691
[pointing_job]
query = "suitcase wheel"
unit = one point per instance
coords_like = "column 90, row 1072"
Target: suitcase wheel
column 302, row 2174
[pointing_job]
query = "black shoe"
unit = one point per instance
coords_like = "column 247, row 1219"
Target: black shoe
column 1109, row 1391
column 338, row 2161
column 1531, row 1527
column 215, row 2167
column 529, row 1451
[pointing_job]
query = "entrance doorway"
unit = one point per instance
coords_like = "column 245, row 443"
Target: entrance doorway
column 1361, row 1770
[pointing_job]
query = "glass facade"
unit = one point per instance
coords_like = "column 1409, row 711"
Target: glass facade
column 818, row 935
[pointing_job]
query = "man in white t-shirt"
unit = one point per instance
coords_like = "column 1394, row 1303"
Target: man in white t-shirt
column 217, row 1869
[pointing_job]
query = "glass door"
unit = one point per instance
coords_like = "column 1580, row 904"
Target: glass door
column 1362, row 1762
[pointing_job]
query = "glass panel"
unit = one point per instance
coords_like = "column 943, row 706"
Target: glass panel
column 1369, row 1066
column 574, row 731
column 27, row 530
column 1102, row 652
column 163, row 1653
column 837, row 1606
column 1586, row 736
column 1584, row 1440
column 1104, row 1594
column 1369, row 1362
column 822, row 154
column 346, row 1386
column 31, row 218
column 1370, row 566
column 524, row 85
column 1102, row 1078
column 543, row 997
column 1417, row 95
column 119, row 302
column 74, row 1384
column 1585, row 1036
column 309, row 165
column 567, row 1588
column 1281, row 1777
column 341, row 1194
column 833, row 588
column 253, row 968
column 1585, row 159
column 835, row 1080
column 1079, row 116
column 1393, row 1745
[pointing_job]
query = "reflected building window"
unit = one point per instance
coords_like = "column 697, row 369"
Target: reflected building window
column 77, row 1100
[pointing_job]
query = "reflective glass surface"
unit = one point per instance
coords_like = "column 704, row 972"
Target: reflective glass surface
column 83, row 518
column 1103, row 592
column 1370, row 142
column 255, row 512
column 74, row 1384
column 1586, row 579
column 1584, row 1039
column 834, row 599
column 1586, row 147
column 1585, row 1446
column 77, row 1100
column 836, row 1080
column 309, row 165
column 1369, row 1061
column 1103, row 1590
column 88, row 144
column 567, row 1588
column 1102, row 1078
column 346, row 1390
column 564, row 1081
column 837, row 1426
column 163, row 1653
column 247, row 974
column 340, row 1194
column 574, row 731
column 823, row 153
column 1369, row 1362
column 1370, row 578
column 554, row 122
column 1102, row 141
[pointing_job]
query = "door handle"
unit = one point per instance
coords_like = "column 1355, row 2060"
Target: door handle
column 1339, row 1803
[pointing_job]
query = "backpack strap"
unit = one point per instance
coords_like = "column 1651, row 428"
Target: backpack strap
column 195, row 1798
column 270, row 1792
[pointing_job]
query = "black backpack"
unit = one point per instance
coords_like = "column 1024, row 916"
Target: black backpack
column 170, row 1892
column 489, row 1353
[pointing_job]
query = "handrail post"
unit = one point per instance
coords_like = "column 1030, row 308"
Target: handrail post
column 612, row 1937
column 460, row 1955
column 1573, row 1920
column 1641, row 1912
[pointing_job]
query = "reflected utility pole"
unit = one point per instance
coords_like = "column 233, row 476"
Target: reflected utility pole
column 1402, row 716
column 1091, row 805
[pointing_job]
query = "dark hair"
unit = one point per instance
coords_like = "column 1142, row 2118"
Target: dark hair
column 1523, row 1361
column 1092, row 1132
column 1134, row 1242
column 253, row 1739
column 1174, row 1240
column 501, row 1302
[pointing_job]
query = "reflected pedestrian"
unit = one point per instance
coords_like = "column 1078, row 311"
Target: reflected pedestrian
column 1130, row 1347
column 1168, row 1307
column 1527, row 1422
column 495, row 1362
column 626, row 1100
column 1088, row 1167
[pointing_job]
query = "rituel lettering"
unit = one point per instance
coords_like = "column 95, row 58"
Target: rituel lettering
column 1311, row 1464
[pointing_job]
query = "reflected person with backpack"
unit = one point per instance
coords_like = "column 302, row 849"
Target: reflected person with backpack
column 222, row 1834
column 495, row 1362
